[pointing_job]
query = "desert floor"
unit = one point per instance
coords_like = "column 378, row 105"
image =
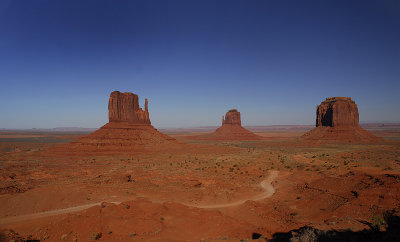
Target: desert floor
column 210, row 190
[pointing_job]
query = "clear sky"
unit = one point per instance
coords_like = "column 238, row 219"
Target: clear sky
column 273, row 60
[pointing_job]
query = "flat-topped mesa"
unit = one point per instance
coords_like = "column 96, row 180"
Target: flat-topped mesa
column 337, row 111
column 337, row 122
column 124, row 107
column 232, row 117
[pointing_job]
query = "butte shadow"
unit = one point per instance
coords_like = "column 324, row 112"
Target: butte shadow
column 337, row 122
column 129, row 130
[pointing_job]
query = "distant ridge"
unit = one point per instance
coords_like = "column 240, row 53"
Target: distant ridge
column 254, row 128
column 73, row 129
column 263, row 128
column 57, row 129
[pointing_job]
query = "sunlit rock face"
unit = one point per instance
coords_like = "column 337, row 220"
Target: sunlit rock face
column 124, row 107
column 337, row 111
column 231, row 128
column 128, row 130
column 337, row 122
column 232, row 117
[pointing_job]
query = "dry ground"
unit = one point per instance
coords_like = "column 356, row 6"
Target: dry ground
column 160, row 196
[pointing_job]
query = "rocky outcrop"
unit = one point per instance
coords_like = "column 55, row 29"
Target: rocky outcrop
column 337, row 111
column 128, row 130
column 126, row 137
column 337, row 122
column 231, row 129
column 234, row 132
column 124, row 107
column 232, row 117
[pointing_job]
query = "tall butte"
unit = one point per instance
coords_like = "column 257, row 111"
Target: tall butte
column 337, row 121
column 129, row 129
column 232, row 129
column 124, row 107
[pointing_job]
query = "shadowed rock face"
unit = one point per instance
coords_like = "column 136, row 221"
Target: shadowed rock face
column 337, row 111
column 232, row 117
column 337, row 122
column 124, row 107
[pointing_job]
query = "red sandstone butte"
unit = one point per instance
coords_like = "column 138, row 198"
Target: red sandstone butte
column 337, row 121
column 124, row 107
column 232, row 117
column 232, row 129
column 337, row 111
column 129, row 130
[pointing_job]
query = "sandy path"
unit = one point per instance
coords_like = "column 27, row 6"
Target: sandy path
column 48, row 213
column 266, row 184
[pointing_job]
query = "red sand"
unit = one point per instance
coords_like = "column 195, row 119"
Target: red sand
column 164, row 194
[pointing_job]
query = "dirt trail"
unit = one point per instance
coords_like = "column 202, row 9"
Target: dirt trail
column 266, row 184
column 15, row 219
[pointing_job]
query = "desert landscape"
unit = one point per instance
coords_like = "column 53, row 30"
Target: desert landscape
column 111, row 129
column 127, row 181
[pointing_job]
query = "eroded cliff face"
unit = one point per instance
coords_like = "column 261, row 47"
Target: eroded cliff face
column 128, row 130
column 232, row 129
column 124, row 107
column 337, row 122
column 232, row 117
column 337, row 112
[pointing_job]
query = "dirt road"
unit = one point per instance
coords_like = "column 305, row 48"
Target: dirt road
column 265, row 184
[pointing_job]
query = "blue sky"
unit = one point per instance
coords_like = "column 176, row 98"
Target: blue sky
column 274, row 61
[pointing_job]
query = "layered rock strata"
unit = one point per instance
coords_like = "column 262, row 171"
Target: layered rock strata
column 337, row 121
column 337, row 111
column 232, row 117
column 129, row 129
column 232, row 129
column 124, row 107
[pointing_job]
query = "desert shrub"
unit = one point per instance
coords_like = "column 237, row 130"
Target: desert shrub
column 377, row 222
column 305, row 235
column 95, row 236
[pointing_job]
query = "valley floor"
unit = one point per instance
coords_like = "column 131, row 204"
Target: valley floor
column 212, row 190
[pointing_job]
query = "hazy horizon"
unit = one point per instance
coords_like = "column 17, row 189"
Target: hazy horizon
column 190, row 127
column 274, row 61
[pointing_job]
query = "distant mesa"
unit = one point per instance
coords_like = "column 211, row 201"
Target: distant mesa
column 124, row 107
column 336, row 112
column 129, row 129
column 337, row 121
column 232, row 117
column 231, row 129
